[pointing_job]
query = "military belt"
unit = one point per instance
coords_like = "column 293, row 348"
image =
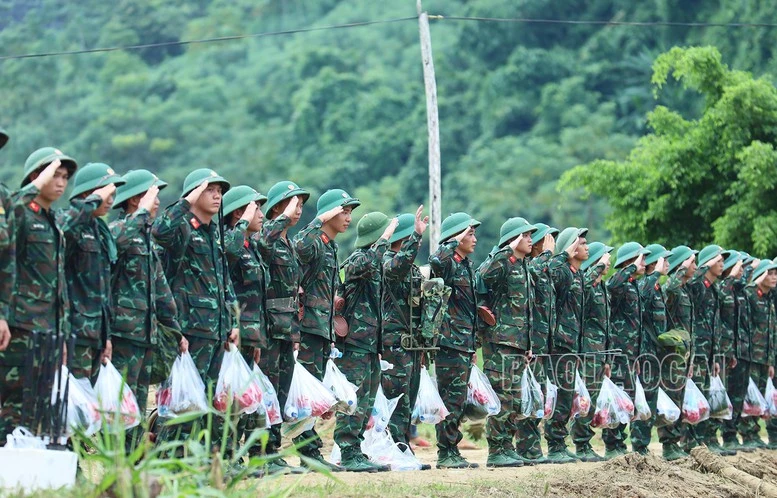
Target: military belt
column 282, row 304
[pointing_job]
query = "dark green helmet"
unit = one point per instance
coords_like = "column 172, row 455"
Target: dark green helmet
column 628, row 251
column 595, row 252
column 370, row 228
column 43, row 157
column 764, row 266
column 731, row 260
column 405, row 227
column 198, row 176
column 568, row 236
column 333, row 198
column 94, row 176
column 513, row 228
column 542, row 231
column 3, row 138
column 241, row 196
column 709, row 253
column 455, row 224
column 281, row 191
column 656, row 251
column 680, row 254
column 136, row 182
column 746, row 258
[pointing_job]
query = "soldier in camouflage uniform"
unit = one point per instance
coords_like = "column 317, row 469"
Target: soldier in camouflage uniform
column 596, row 336
column 142, row 301
column 283, row 210
column 317, row 252
column 457, row 334
column 7, row 255
column 90, row 253
column 507, row 345
column 362, row 346
column 564, row 267
column 401, row 318
column 38, row 306
column 625, row 330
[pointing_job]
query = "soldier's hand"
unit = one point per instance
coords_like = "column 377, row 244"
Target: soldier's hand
column 605, row 260
column 389, row 231
column 105, row 192
column 421, row 221
column 5, row 335
column 717, row 259
column 183, row 345
column 249, row 212
column 257, row 355
column 640, row 263
column 64, row 353
column 549, row 243
column 475, row 358
column 291, row 207
column 771, row 372
column 296, row 346
column 688, row 261
column 514, row 243
column 107, row 352
column 572, row 249
column 637, row 369
column 736, row 272
column 234, row 338
column 328, row 215
column 529, row 356
column 755, row 263
column 761, row 278
column 460, row 236
column 47, row 174
column 195, row 194
column 149, row 199
column 732, row 362
column 607, row 370
column 716, row 369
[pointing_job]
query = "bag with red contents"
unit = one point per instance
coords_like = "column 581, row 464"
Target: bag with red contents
column 770, row 396
column 551, row 396
column 581, row 401
column 269, row 397
column 641, row 407
column 720, row 403
column 755, row 404
column 236, row 385
column 308, row 397
column 613, row 406
column 667, row 412
column 482, row 400
column 115, row 397
column 429, row 407
column 695, row 406
column 82, row 408
column 183, row 391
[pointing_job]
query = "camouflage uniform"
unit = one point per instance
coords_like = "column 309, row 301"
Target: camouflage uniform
column 401, row 317
column 733, row 316
column 90, row 252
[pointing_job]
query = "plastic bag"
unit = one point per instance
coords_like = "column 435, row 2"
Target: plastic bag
column 581, row 400
column 613, row 406
column 308, row 397
column 429, row 407
column 344, row 391
column 380, row 448
column 770, row 396
column 381, row 411
column 532, row 399
column 83, row 411
column 23, row 438
column 482, row 400
column 754, row 404
column 272, row 406
column 386, row 366
column 695, row 407
column 114, row 396
column 667, row 412
column 237, row 385
column 183, row 391
column 551, row 396
column 641, row 407
column 294, row 429
column 720, row 403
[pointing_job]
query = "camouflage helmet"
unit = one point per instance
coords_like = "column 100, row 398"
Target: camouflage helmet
column 656, row 252
column 333, row 198
column 677, row 341
column 514, row 227
column 405, row 227
column 680, row 254
column 239, row 197
column 455, row 224
column 43, row 157
column 595, row 252
column 281, row 191
column 628, row 251
column 93, row 176
column 3, row 138
column 199, row 176
column 370, row 227
column 542, row 231
column 136, row 182
column 567, row 237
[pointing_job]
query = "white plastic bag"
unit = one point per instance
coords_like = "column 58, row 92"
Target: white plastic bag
column 551, row 397
column 695, row 406
column 381, row 411
column 667, row 412
column 429, row 407
column 23, row 438
column 83, row 411
column 641, row 407
column 183, row 391
column 532, row 399
column 720, row 404
column 344, row 391
column 269, row 397
column 114, row 397
column 755, row 404
column 236, row 385
column 613, row 406
column 482, row 400
column 380, row 448
column 770, row 395
column 581, row 400
column 308, row 397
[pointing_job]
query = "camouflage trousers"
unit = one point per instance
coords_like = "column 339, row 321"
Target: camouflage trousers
column 277, row 363
column 623, row 376
column 650, row 378
column 504, row 365
column 248, row 424
column 591, row 372
column 363, row 370
column 402, row 379
column 528, row 435
column 134, row 360
column 562, row 373
column 452, row 369
column 736, row 387
column 674, row 371
column 313, row 354
column 85, row 363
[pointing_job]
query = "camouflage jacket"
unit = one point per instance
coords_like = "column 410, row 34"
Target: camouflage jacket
column 706, row 320
column 625, row 311
column 364, row 298
column 39, row 301
column 679, row 306
column 280, row 257
column 196, row 269
column 7, row 251
column 653, row 312
column 458, row 327
column 88, row 261
column 760, row 326
column 732, row 312
column 402, row 292
column 141, row 295
column 318, row 258
column 249, row 278
column 544, row 306
column 596, row 319
column 570, row 305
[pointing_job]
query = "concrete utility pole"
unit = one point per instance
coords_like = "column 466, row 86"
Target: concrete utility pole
column 433, row 125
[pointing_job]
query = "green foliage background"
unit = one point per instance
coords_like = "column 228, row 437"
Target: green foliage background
column 520, row 104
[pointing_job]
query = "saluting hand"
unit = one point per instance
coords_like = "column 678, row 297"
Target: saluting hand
column 549, row 243
column 761, row 278
column 249, row 212
column 687, row 263
column 5, row 335
column 514, row 243
column 572, row 249
column 640, row 263
column 106, row 191
column 291, row 207
column 717, row 259
column 47, row 174
column 149, row 199
column 195, row 194
column 328, row 215
column 460, row 237
column 389, row 231
column 421, row 221
column 605, row 260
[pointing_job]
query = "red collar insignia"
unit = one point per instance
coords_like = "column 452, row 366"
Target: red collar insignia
column 513, row 259
column 574, row 270
column 457, row 258
column 631, row 279
column 195, row 223
column 657, row 286
column 760, row 294
column 245, row 242
column 707, row 283
column 35, row 207
column 325, row 238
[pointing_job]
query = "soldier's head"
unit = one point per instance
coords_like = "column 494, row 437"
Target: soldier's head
column 573, row 237
column 517, row 233
column 237, row 200
column 92, row 177
column 597, row 253
column 683, row 256
column 209, row 202
column 280, row 196
column 332, row 199
column 656, row 259
column 771, row 278
column 631, row 253
column 538, row 238
column 405, row 228
column 712, row 257
column 732, row 265
column 37, row 162
column 460, row 226
column 370, row 227
column 136, row 184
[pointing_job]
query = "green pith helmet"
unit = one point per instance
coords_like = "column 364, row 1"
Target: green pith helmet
column 370, row 228
column 3, row 138
column 198, row 176
column 94, row 176
column 283, row 190
column 405, row 227
column 680, row 254
column 513, row 228
column 709, row 253
column 656, row 251
column 542, row 231
column 764, row 266
column 455, row 224
column 43, row 157
column 333, row 198
column 595, row 252
column 731, row 260
column 136, row 182
column 241, row 196
column 627, row 251
column 746, row 258
column 567, row 237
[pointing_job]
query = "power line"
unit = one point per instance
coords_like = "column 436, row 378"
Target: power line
column 607, row 23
